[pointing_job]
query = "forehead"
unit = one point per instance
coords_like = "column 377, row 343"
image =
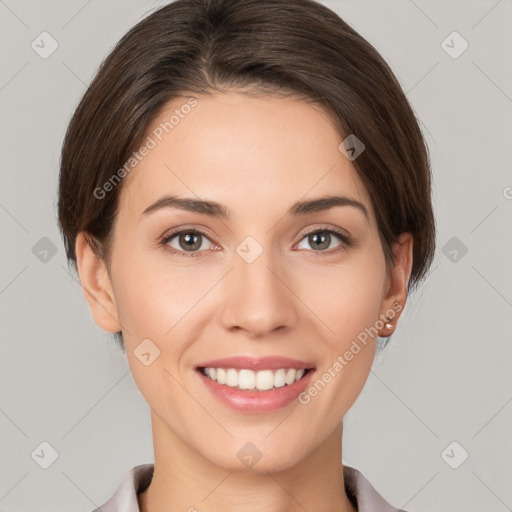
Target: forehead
column 252, row 154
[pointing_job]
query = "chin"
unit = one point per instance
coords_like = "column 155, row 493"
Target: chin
column 255, row 458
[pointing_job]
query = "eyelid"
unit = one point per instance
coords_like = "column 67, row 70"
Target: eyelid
column 342, row 233
column 195, row 228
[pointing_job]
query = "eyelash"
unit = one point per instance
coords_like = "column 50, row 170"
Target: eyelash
column 346, row 241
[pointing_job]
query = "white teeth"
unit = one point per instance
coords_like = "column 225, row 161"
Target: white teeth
column 264, row 380
column 280, row 378
column 248, row 379
column 221, row 376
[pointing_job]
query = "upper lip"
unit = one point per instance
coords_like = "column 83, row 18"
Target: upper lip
column 256, row 363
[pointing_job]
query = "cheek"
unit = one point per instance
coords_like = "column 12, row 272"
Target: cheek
column 348, row 354
column 349, row 303
column 347, row 298
column 150, row 306
column 150, row 297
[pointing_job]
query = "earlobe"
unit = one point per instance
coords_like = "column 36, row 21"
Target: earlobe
column 396, row 295
column 96, row 285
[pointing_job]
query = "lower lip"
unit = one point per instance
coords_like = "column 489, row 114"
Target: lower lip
column 257, row 401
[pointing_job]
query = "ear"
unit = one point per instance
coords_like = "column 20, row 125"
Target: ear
column 395, row 295
column 96, row 285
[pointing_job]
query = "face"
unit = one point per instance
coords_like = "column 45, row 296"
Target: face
column 265, row 279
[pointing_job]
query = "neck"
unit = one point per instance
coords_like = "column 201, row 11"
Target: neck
column 185, row 480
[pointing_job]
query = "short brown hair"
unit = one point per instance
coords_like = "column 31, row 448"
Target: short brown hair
column 296, row 48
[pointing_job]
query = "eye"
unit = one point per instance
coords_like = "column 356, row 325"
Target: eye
column 187, row 241
column 192, row 242
column 320, row 239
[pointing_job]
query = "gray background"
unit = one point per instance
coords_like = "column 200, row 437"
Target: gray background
column 444, row 377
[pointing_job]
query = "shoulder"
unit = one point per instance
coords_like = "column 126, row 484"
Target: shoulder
column 365, row 495
column 125, row 497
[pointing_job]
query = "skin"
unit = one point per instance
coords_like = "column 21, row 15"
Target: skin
column 255, row 156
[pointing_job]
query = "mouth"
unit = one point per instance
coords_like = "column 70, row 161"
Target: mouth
column 246, row 379
column 248, row 384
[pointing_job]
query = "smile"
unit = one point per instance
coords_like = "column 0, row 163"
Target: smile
column 245, row 379
column 248, row 391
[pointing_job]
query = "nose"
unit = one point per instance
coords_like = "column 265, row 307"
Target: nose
column 258, row 297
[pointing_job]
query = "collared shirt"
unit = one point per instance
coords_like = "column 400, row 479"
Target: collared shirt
column 359, row 490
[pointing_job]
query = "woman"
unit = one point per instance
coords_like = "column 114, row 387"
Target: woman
column 245, row 194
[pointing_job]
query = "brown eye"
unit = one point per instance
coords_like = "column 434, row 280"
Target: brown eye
column 320, row 240
column 187, row 241
column 190, row 241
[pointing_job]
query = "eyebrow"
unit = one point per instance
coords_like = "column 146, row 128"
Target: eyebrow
column 214, row 209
